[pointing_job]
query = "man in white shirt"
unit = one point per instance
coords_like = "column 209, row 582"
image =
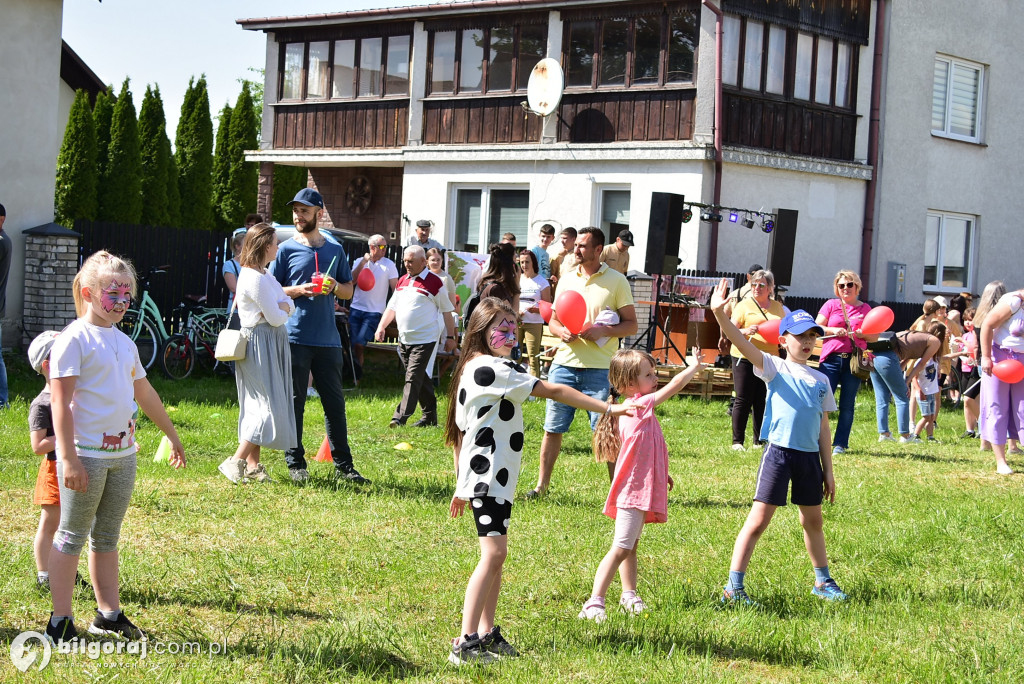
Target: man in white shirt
column 419, row 296
column 368, row 305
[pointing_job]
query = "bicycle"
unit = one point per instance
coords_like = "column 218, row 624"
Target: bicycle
column 195, row 344
column 144, row 323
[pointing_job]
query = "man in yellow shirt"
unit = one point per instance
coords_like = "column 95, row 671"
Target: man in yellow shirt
column 563, row 257
column 581, row 362
column 616, row 255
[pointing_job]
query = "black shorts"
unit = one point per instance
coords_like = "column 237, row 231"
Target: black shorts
column 492, row 515
column 971, row 388
column 780, row 466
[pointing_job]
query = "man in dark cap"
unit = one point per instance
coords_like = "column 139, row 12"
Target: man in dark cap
column 312, row 333
column 616, row 255
column 422, row 237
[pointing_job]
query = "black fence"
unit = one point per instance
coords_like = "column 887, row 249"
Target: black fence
column 905, row 313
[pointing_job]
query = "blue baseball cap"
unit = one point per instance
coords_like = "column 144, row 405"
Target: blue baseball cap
column 798, row 322
column 309, row 197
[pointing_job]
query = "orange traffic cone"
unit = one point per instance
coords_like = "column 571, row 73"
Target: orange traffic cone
column 324, row 454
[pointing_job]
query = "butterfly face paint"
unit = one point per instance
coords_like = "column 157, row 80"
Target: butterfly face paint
column 114, row 294
column 503, row 334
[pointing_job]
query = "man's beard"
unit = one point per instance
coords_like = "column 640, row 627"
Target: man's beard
column 307, row 228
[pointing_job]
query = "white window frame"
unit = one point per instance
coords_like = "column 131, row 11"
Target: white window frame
column 483, row 230
column 979, row 114
column 972, row 238
column 599, row 208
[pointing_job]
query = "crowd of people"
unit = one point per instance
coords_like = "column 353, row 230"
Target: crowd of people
column 84, row 420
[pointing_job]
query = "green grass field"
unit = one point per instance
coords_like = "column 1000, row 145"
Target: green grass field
column 326, row 583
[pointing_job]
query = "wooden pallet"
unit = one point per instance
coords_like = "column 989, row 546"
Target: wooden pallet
column 710, row 382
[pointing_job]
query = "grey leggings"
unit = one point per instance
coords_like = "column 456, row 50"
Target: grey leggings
column 97, row 512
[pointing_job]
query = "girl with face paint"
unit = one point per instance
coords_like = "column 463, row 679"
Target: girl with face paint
column 485, row 430
column 97, row 386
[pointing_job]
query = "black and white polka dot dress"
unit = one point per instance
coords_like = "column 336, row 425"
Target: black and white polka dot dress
column 491, row 393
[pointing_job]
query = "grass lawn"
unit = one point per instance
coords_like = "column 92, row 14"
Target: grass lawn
column 325, row 583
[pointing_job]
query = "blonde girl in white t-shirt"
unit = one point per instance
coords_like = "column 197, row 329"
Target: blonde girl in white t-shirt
column 97, row 386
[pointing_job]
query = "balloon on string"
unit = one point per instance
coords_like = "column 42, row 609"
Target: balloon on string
column 1010, row 371
column 572, row 311
column 877, row 321
column 366, row 280
column 769, row 330
column 545, row 310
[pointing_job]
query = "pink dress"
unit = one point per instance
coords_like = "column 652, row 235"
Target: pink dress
column 641, row 470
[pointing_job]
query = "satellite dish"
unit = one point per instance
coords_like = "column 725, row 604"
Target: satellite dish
column 544, row 90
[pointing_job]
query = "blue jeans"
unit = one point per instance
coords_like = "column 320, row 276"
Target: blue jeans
column 3, row 376
column 837, row 369
column 362, row 325
column 591, row 381
column 325, row 364
column 888, row 381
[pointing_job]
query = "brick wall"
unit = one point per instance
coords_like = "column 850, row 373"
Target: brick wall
column 384, row 215
column 51, row 262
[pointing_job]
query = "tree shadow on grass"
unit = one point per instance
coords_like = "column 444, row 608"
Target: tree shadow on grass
column 330, row 658
column 226, row 601
column 917, row 456
column 705, row 502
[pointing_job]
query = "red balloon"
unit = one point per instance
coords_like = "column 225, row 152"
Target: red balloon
column 1010, row 371
column 545, row 310
column 572, row 310
column 877, row 321
column 366, row 280
column 769, row 330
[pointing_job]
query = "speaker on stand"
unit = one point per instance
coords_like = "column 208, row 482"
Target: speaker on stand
column 663, row 229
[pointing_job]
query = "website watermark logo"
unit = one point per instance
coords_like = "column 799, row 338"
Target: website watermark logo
column 24, row 652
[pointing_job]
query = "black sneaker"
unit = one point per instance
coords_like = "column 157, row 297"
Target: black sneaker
column 496, row 644
column 425, row 422
column 64, row 631
column 122, row 626
column 351, row 474
column 469, row 652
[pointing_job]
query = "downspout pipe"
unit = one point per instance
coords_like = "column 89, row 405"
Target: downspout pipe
column 717, row 192
column 867, row 237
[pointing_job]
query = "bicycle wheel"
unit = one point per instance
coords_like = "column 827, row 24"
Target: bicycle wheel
column 143, row 334
column 177, row 357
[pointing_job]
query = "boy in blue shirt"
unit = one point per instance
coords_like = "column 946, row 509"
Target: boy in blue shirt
column 799, row 446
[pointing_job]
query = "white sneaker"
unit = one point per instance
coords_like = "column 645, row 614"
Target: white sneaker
column 298, row 474
column 886, row 438
column 259, row 473
column 1004, row 469
column 632, row 604
column 311, row 393
column 913, row 439
column 592, row 610
column 738, row 447
column 838, row 450
column 233, row 469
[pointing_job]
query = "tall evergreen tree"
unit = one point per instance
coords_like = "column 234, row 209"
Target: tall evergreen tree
column 102, row 113
column 121, row 185
column 155, row 159
column 173, row 195
column 241, row 199
column 222, row 172
column 75, row 194
column 288, row 180
column 193, row 145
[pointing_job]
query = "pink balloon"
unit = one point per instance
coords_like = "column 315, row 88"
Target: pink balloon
column 769, row 330
column 1010, row 371
column 366, row 280
column 545, row 310
column 572, row 311
column 877, row 321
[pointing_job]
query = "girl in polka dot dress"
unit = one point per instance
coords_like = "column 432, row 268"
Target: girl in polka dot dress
column 485, row 430
column 640, row 485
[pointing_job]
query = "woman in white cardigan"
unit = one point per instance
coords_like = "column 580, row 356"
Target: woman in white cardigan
column 266, row 414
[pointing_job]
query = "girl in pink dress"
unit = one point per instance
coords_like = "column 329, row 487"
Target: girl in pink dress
column 640, row 485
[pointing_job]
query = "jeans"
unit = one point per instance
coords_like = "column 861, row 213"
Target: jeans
column 362, row 325
column 837, row 369
column 889, row 381
column 750, row 396
column 3, row 374
column 590, row 381
column 325, row 364
column 419, row 389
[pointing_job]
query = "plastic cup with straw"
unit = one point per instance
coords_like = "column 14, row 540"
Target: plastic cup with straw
column 318, row 277
column 327, row 273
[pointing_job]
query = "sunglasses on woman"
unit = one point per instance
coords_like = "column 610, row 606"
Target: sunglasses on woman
column 845, row 286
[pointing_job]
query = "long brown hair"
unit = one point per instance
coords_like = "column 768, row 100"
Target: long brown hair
column 474, row 343
column 501, row 269
column 624, row 371
column 254, row 249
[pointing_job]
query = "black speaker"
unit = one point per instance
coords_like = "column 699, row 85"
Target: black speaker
column 781, row 244
column 663, row 233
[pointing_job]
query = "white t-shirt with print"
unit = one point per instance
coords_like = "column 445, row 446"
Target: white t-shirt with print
column 106, row 364
column 529, row 295
column 490, row 414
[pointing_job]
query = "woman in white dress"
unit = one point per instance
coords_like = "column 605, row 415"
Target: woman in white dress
column 533, row 289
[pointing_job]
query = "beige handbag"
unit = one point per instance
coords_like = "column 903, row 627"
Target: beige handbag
column 230, row 343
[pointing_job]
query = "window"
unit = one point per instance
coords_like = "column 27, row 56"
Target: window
column 485, row 60
column 614, row 213
column 345, row 69
column 947, row 251
column 787, row 63
column 956, row 99
column 646, row 50
column 482, row 215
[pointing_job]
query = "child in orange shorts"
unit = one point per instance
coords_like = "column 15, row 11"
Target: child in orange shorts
column 40, row 424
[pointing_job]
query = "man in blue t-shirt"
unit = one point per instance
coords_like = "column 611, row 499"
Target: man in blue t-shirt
column 314, row 338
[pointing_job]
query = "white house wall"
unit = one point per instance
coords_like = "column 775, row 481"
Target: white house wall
column 921, row 172
column 30, row 137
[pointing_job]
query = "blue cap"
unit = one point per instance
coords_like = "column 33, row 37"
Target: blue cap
column 798, row 322
column 309, row 197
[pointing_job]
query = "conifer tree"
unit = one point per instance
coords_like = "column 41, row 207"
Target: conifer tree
column 241, row 199
column 121, row 185
column 75, row 194
column 193, row 145
column 173, row 196
column 288, row 180
column 102, row 113
column 155, row 150
column 222, row 171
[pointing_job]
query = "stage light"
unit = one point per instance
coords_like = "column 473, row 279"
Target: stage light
column 768, row 225
column 747, row 223
column 687, row 215
column 733, row 217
